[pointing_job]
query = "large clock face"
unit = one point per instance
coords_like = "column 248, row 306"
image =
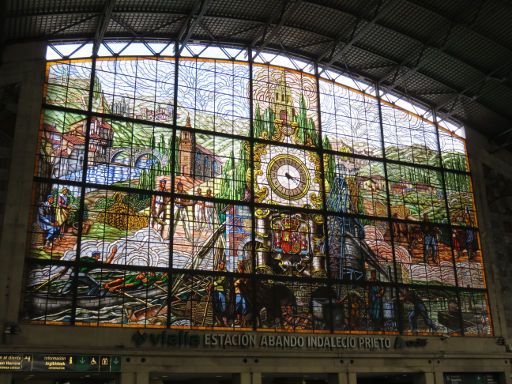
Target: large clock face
column 288, row 177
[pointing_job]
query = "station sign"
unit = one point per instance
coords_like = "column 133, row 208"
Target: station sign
column 471, row 378
column 41, row 362
column 251, row 340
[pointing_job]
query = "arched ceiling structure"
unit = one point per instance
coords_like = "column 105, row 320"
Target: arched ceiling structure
column 455, row 56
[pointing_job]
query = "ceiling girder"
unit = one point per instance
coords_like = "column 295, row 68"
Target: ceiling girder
column 470, row 16
column 339, row 38
column 134, row 33
column 480, row 84
column 123, row 24
column 288, row 8
column 398, row 77
column 380, row 11
column 198, row 11
column 273, row 17
column 71, row 25
column 501, row 141
column 493, row 40
column 334, row 55
column 103, row 21
column 207, row 30
column 375, row 21
column 243, row 30
column 167, row 23
column 148, row 9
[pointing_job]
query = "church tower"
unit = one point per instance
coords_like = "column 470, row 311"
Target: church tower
column 187, row 150
column 283, row 105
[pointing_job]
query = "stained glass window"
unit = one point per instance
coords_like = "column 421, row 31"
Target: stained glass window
column 202, row 189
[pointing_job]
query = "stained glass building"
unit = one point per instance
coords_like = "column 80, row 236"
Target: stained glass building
column 219, row 212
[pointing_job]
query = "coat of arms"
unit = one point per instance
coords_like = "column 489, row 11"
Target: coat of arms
column 290, row 242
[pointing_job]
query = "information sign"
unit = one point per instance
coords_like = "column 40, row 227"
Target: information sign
column 471, row 378
column 41, row 362
column 15, row 362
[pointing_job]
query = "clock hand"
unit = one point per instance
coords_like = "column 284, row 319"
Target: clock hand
column 290, row 177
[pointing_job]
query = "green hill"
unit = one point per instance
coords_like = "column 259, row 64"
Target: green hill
column 416, row 154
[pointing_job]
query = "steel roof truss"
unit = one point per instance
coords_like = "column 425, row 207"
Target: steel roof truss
column 198, row 10
column 103, row 22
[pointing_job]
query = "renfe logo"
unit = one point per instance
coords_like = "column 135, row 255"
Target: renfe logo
column 139, row 337
column 177, row 339
column 402, row 343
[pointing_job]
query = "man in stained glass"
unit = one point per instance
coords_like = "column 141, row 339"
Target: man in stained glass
column 430, row 236
column 63, row 210
column 469, row 241
column 136, row 280
column 456, row 242
column 219, row 296
column 209, row 210
column 87, row 264
column 181, row 205
column 353, row 305
column 397, row 228
column 469, row 235
column 199, row 210
column 375, row 308
column 418, row 310
column 46, row 221
column 159, row 210
column 241, row 307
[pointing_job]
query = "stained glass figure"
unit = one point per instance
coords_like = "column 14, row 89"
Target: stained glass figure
column 349, row 309
column 56, row 220
column 418, row 307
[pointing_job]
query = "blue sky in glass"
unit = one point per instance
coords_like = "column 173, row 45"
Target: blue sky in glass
column 68, row 84
column 146, row 86
column 453, row 144
column 408, row 137
column 350, row 120
column 215, row 95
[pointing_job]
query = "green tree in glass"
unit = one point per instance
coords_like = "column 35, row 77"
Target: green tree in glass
column 233, row 180
column 264, row 127
column 176, row 157
column 330, row 163
column 147, row 177
column 306, row 133
column 259, row 125
column 455, row 161
column 268, row 120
